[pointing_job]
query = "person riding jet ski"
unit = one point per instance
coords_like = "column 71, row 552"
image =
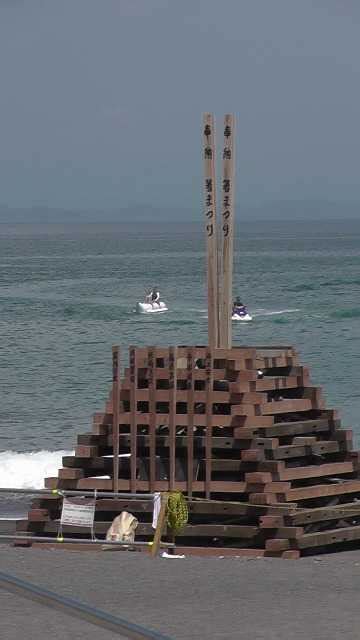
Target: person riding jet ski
column 239, row 308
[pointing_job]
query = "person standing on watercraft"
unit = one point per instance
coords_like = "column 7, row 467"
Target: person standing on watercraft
column 154, row 296
column 238, row 307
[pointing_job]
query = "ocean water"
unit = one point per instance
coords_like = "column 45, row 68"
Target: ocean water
column 67, row 295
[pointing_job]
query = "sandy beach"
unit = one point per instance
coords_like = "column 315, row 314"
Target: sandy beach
column 210, row 598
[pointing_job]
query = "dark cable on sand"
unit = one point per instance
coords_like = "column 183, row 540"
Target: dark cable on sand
column 77, row 609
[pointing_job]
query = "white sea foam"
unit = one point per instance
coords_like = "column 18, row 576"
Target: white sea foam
column 263, row 312
column 28, row 470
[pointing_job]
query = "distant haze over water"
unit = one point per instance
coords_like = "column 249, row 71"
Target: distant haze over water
column 313, row 210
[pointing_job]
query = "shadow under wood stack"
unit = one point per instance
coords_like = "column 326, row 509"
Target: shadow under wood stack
column 241, row 431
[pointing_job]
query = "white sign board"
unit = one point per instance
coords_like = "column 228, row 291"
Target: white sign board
column 78, row 512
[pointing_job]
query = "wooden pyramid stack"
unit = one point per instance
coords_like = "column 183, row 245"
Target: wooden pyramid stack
column 241, row 432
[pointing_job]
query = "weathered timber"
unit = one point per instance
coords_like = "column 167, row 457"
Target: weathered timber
column 210, row 227
column 84, row 451
column 313, row 540
column 71, row 474
column 104, row 484
column 190, row 417
column 91, row 439
column 218, row 442
column 38, row 515
column 297, row 451
column 298, row 427
column 172, row 414
column 204, row 423
column 316, row 471
column 152, row 411
column 115, row 411
column 99, row 463
column 322, row 490
column 321, row 514
column 145, row 529
column 227, row 236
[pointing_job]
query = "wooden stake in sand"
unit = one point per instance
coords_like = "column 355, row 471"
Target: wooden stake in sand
column 161, row 524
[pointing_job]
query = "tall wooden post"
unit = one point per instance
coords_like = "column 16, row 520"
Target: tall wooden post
column 227, row 235
column 116, row 411
column 133, row 422
column 209, row 384
column 190, row 425
column 151, row 362
column 172, row 415
column 210, row 226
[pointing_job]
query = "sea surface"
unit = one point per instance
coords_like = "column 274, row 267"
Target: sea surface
column 67, row 295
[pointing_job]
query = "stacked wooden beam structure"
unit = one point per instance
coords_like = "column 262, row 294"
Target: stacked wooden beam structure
column 266, row 468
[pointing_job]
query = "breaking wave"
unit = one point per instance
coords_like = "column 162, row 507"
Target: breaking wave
column 28, row 470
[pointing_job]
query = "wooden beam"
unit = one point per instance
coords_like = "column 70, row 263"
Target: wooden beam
column 133, row 423
column 172, row 414
column 190, row 420
column 145, row 528
column 218, row 442
column 101, row 484
column 321, row 490
column 210, row 226
column 116, row 410
column 51, row 503
column 317, row 539
column 316, row 471
column 227, row 235
column 152, row 414
column 209, row 364
column 322, row 514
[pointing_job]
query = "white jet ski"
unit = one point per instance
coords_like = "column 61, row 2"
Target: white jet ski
column 151, row 307
column 241, row 314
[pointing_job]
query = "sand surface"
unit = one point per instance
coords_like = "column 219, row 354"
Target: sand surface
column 212, row 598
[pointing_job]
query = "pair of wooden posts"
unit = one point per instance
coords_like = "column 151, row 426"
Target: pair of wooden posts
column 219, row 237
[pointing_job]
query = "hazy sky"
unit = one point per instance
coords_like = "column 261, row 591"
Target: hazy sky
column 101, row 100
